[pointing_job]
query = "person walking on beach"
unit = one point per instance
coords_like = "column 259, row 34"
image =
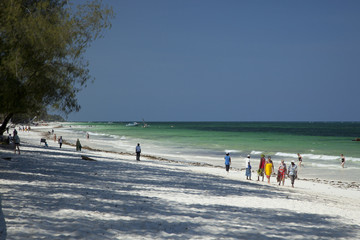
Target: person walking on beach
column 247, row 168
column 16, row 143
column 60, row 141
column 78, row 145
column 54, row 137
column 300, row 159
column 281, row 172
column 342, row 160
column 269, row 167
column 270, row 161
column 261, row 167
column 227, row 162
column 138, row 151
column 292, row 172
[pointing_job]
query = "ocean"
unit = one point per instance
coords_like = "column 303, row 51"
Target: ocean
column 319, row 143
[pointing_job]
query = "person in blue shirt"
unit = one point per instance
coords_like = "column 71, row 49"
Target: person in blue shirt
column 138, row 151
column 248, row 168
column 227, row 162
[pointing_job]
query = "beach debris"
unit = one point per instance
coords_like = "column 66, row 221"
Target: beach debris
column 87, row 158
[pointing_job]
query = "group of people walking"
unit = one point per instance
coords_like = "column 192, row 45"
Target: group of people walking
column 266, row 168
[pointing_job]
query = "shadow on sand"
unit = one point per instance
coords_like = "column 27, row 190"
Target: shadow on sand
column 53, row 194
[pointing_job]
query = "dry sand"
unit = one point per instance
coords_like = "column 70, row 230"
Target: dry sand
column 52, row 193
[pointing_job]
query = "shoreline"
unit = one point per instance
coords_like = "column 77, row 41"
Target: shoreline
column 116, row 197
column 321, row 166
column 335, row 183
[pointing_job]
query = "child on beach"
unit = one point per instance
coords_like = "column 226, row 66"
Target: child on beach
column 227, row 162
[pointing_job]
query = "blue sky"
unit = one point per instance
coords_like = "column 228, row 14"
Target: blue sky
column 226, row 60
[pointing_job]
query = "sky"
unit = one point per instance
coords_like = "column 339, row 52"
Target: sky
column 225, row 60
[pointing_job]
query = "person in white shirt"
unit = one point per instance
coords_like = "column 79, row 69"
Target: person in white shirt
column 292, row 172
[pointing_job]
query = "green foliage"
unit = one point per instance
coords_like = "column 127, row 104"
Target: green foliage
column 41, row 52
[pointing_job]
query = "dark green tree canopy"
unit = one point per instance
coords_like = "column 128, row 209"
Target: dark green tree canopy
column 41, row 53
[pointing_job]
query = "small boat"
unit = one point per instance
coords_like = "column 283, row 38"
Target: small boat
column 145, row 125
column 134, row 124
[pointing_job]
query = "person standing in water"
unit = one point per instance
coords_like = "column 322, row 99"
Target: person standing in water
column 300, row 159
column 138, row 151
column 227, row 162
column 342, row 160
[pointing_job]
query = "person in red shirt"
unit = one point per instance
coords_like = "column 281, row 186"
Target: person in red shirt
column 261, row 167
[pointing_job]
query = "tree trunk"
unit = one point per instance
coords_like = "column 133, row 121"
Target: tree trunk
column 5, row 122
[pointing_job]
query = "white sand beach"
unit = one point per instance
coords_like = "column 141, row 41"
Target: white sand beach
column 52, row 193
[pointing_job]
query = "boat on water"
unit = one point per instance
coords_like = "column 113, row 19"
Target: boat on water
column 145, row 125
column 134, row 124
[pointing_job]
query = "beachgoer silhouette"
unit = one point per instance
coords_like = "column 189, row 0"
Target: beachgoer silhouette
column 138, row 151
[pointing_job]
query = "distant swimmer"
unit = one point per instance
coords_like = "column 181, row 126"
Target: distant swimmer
column 227, row 162
column 342, row 160
column 300, row 159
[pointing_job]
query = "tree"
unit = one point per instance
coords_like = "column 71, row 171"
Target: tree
column 42, row 43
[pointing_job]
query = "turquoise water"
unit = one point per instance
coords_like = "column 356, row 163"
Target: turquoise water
column 319, row 143
column 316, row 141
